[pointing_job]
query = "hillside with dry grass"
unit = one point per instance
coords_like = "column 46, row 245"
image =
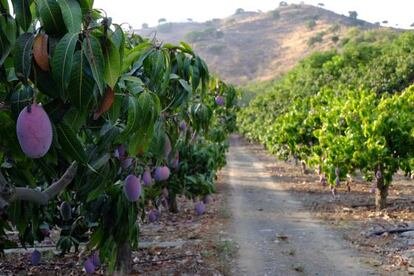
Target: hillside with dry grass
column 253, row 46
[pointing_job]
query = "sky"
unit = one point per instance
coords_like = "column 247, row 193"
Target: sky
column 399, row 13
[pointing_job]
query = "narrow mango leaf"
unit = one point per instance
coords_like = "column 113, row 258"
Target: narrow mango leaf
column 115, row 111
column 86, row 5
column 106, row 103
column 70, row 143
column 9, row 28
column 23, row 55
column 51, row 17
column 93, row 52
column 118, row 38
column 112, row 64
column 40, row 51
column 133, row 119
column 136, row 56
column 62, row 62
column 81, row 84
column 5, row 47
column 22, row 11
column 72, row 15
column 20, row 99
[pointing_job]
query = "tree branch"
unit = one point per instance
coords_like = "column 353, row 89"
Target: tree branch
column 33, row 195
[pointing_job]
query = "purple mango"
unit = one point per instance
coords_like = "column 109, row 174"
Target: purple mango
column 146, row 177
column 219, row 100
column 378, row 175
column 200, row 208
column 35, row 257
column 95, row 259
column 132, row 188
column 126, row 163
column 153, row 215
column 162, row 173
column 121, row 151
column 88, row 266
column 183, row 126
column 34, row 131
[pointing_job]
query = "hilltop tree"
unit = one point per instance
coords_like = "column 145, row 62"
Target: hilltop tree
column 353, row 14
column 162, row 20
column 283, row 4
column 239, row 11
column 145, row 25
column 321, row 4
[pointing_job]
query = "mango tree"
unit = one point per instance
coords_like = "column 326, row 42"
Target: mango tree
column 86, row 115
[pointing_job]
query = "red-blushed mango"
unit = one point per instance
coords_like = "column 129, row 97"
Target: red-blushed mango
column 162, row 173
column 40, row 51
column 200, row 208
column 35, row 257
column 132, row 188
column 34, row 131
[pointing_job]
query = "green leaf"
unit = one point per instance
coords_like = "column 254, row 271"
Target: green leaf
column 86, row 5
column 115, row 111
column 23, row 55
column 112, row 64
column 93, row 52
column 5, row 46
column 118, row 38
column 70, row 144
column 20, row 99
column 23, row 15
column 133, row 119
column 81, row 84
column 72, row 15
column 62, row 62
column 51, row 17
column 142, row 112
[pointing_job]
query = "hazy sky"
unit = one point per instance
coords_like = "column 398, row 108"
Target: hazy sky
column 136, row 12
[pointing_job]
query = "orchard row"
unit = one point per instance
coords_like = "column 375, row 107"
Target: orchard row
column 343, row 111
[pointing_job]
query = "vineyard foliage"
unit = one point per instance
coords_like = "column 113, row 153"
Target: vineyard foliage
column 119, row 106
column 343, row 111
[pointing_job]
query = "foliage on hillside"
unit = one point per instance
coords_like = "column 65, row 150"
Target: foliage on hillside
column 343, row 110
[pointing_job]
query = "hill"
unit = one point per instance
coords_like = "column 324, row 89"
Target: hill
column 253, row 46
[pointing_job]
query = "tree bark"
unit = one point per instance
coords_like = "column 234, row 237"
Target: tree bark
column 123, row 259
column 9, row 193
column 381, row 194
column 172, row 203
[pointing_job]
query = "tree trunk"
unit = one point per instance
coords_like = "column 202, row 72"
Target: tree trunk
column 123, row 259
column 304, row 169
column 172, row 203
column 381, row 194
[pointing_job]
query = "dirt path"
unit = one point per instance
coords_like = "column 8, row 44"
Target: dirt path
column 275, row 233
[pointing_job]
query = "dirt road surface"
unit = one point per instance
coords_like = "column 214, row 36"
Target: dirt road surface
column 276, row 235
